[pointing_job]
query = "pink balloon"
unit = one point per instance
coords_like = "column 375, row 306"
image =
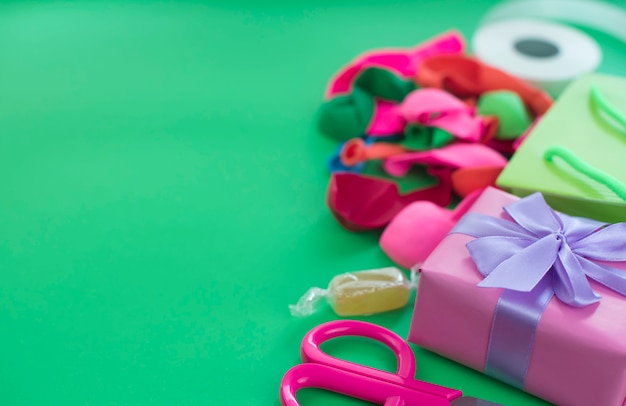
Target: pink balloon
column 403, row 62
column 414, row 232
column 437, row 108
column 386, row 120
column 460, row 155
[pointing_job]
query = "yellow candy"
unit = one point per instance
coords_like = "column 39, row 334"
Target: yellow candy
column 368, row 292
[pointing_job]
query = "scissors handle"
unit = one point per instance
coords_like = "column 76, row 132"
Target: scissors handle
column 351, row 384
column 405, row 373
column 311, row 351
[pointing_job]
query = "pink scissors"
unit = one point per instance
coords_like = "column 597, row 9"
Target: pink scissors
column 322, row 371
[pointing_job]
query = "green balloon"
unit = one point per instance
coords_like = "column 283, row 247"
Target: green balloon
column 510, row 110
column 384, row 84
column 346, row 116
column 418, row 137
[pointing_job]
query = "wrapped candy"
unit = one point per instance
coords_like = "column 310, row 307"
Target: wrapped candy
column 359, row 293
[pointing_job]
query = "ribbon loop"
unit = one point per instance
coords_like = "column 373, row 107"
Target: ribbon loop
column 570, row 280
column 481, row 225
column 517, row 253
column 534, row 214
column 608, row 244
column 524, row 269
column 487, row 259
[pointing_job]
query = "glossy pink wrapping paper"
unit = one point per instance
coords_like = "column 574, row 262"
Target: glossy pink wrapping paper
column 579, row 354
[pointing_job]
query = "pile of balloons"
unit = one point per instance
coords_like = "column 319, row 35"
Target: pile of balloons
column 432, row 107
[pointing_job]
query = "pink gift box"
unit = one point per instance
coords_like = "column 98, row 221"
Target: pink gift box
column 579, row 354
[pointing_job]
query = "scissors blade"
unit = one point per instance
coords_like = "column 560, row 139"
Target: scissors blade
column 470, row 401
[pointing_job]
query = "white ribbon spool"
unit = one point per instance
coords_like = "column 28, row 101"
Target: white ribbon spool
column 518, row 37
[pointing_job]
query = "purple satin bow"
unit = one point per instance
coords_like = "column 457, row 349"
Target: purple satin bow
column 534, row 254
column 538, row 242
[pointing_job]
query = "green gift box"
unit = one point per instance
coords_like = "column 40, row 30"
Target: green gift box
column 587, row 126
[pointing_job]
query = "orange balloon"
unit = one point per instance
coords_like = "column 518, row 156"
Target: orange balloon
column 355, row 151
column 466, row 77
column 466, row 180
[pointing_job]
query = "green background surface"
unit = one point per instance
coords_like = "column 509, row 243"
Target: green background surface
column 163, row 196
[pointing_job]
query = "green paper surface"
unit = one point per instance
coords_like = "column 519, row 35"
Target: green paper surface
column 576, row 124
column 163, row 196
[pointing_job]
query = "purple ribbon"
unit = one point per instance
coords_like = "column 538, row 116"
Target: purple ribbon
column 534, row 255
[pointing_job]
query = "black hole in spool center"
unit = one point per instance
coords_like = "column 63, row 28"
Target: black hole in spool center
column 536, row 48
